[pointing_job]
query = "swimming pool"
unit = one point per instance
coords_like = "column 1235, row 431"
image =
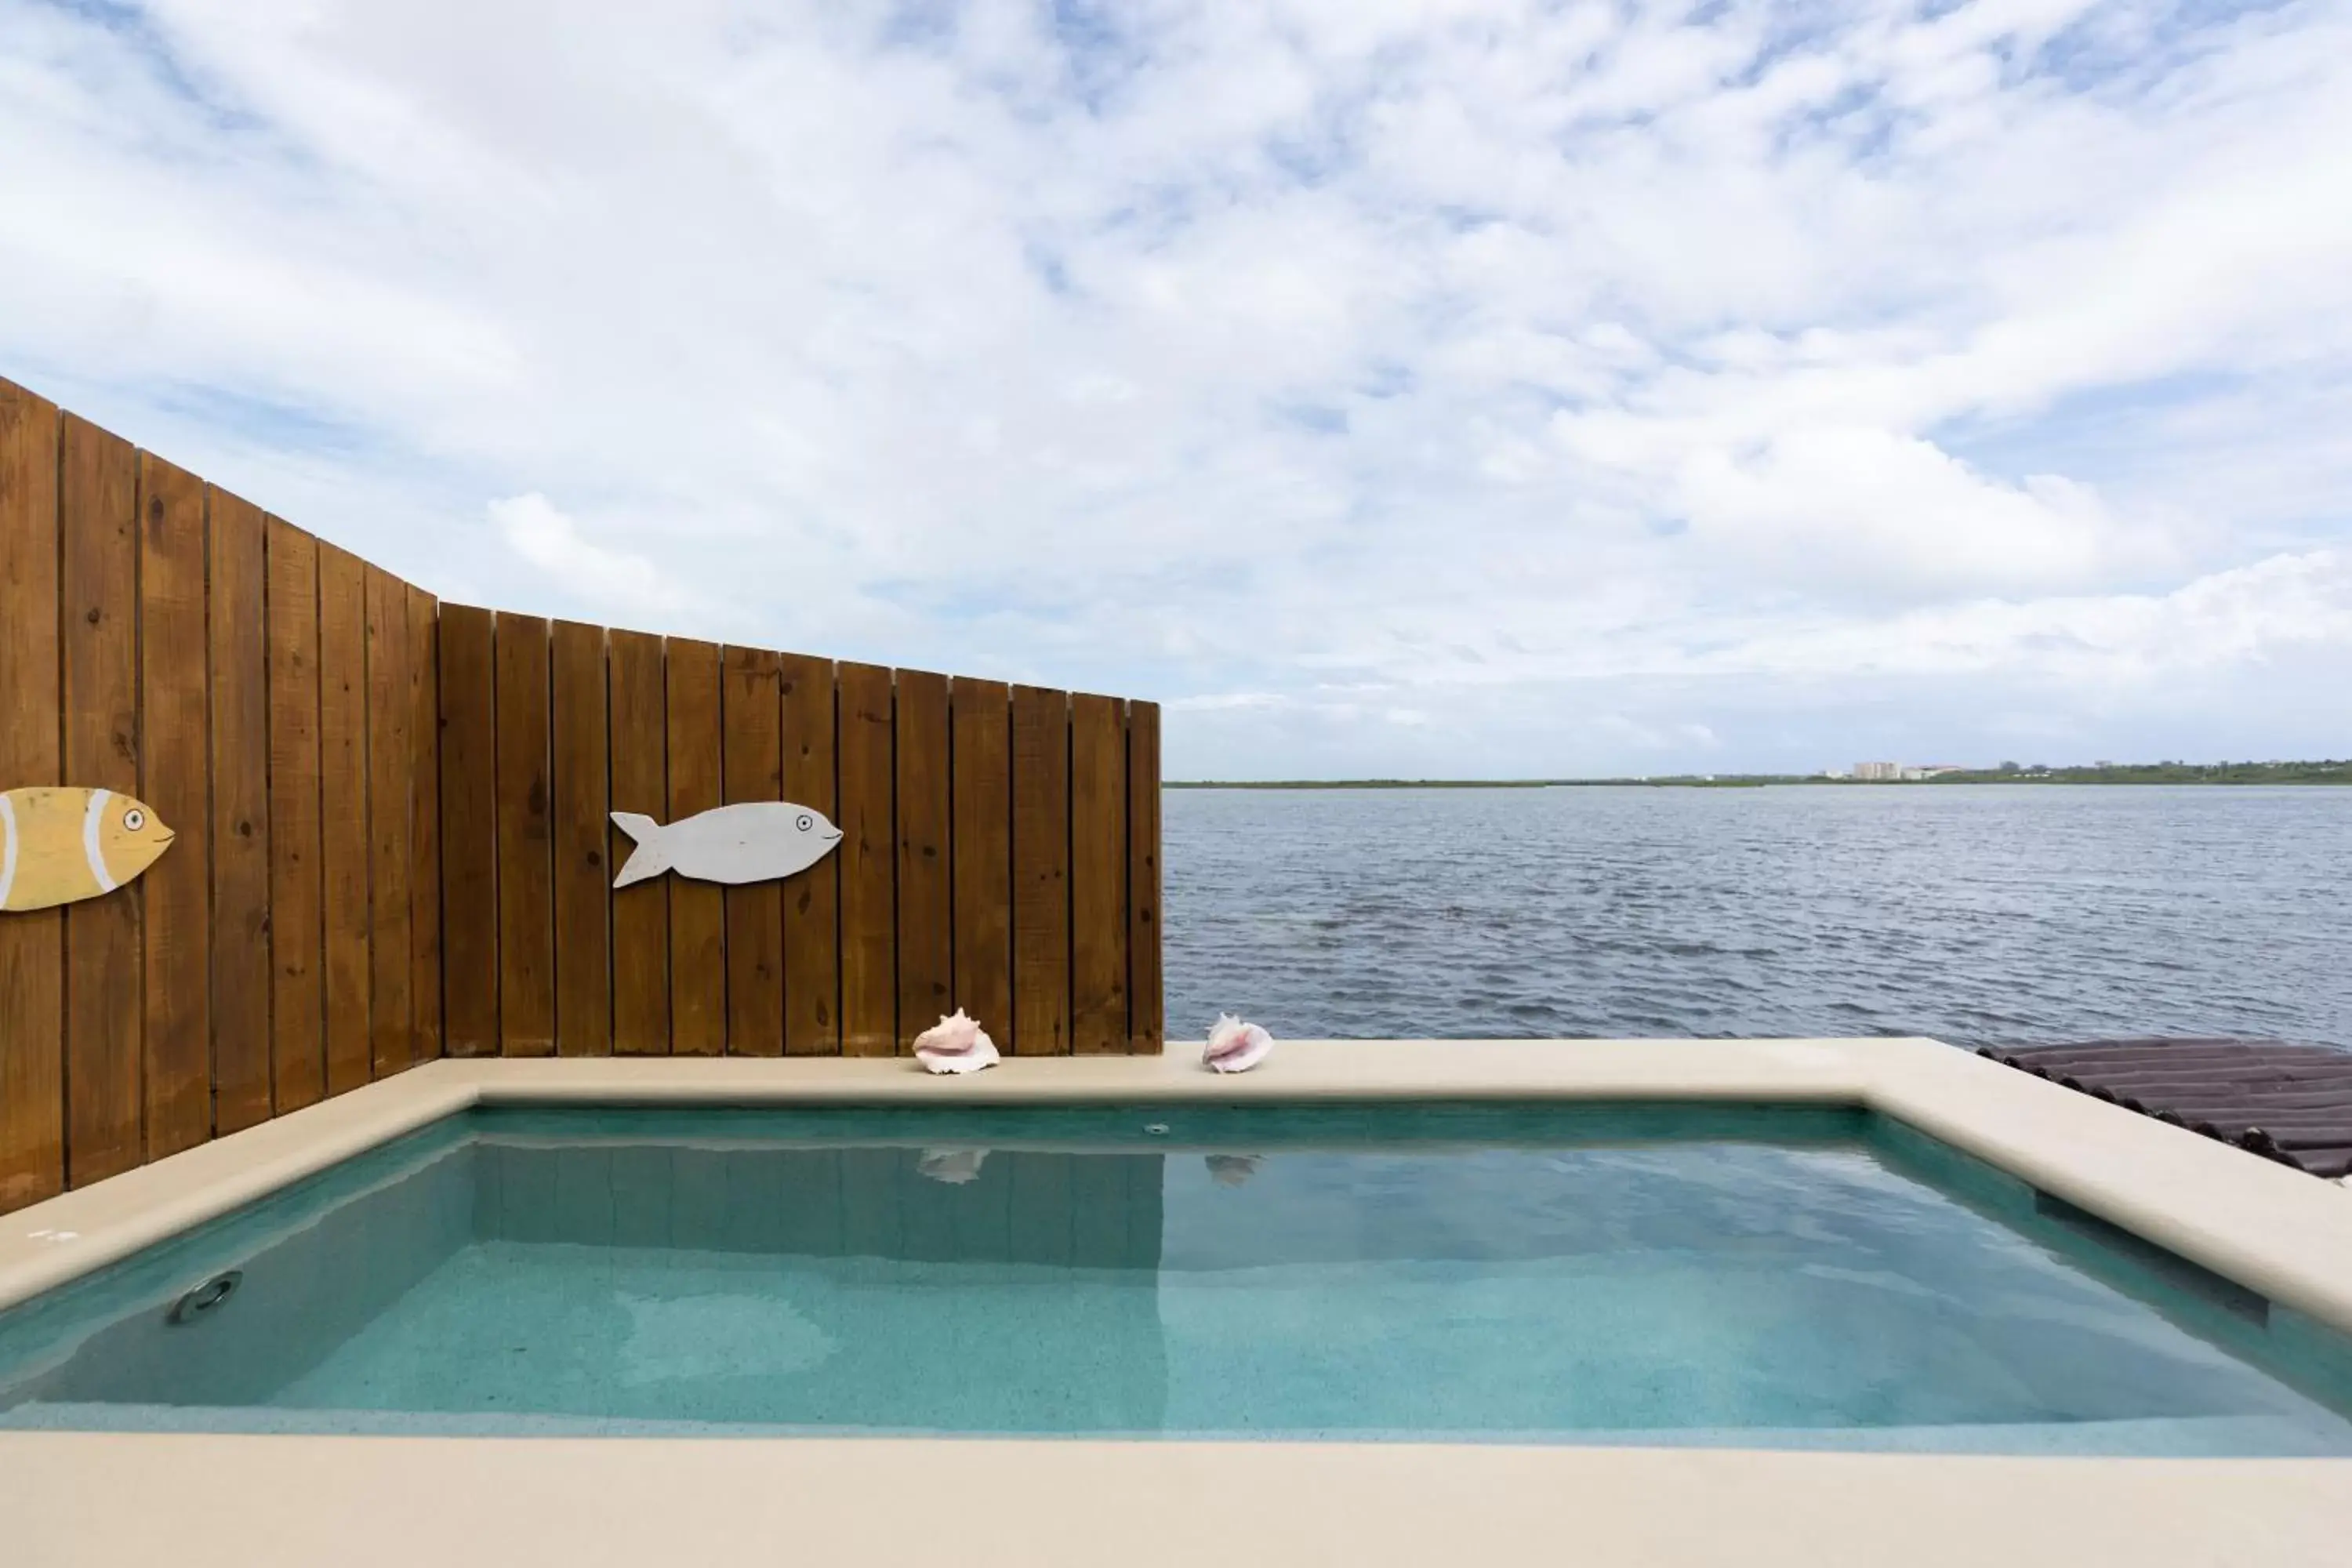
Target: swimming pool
column 1694, row 1274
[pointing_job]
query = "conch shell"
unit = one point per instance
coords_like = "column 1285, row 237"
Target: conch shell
column 1231, row 1170
column 955, row 1044
column 956, row 1167
column 1235, row 1046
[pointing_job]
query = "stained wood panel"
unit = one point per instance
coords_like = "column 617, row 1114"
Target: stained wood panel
column 1147, row 1027
column 525, row 842
column 983, row 787
column 470, row 832
column 584, row 935
column 640, row 782
column 1041, row 872
column 393, row 839
column 298, row 1018
column 32, row 944
column 697, row 914
column 424, row 826
column 239, row 660
column 99, row 513
column 344, row 812
column 754, row 771
column 1098, row 925
column 926, row 942
column 392, row 762
column 869, row 916
column 174, row 782
column 813, row 899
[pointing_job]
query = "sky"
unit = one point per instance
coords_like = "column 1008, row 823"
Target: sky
column 1448, row 388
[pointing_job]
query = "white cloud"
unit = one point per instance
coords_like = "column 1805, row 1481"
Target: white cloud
column 615, row 579
column 1509, row 365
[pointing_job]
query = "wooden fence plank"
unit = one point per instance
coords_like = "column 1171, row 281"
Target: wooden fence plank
column 1098, row 925
column 298, row 1016
column 425, row 826
column 392, row 765
column 469, row 833
column 32, row 944
column 240, row 826
column 1147, row 1012
column 342, row 811
column 175, row 782
column 926, row 907
column 99, row 513
column 755, row 914
column 1041, row 871
column 983, row 853
column 640, row 782
column 697, row 914
column 813, row 899
column 526, row 843
column 869, row 916
column 584, row 935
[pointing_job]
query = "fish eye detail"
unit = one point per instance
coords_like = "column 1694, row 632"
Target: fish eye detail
column 805, row 822
column 134, row 819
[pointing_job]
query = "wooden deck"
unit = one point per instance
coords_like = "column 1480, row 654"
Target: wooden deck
column 2288, row 1102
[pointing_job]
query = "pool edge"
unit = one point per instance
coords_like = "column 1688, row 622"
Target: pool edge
column 2270, row 1228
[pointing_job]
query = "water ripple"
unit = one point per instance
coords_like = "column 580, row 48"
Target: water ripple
column 1977, row 915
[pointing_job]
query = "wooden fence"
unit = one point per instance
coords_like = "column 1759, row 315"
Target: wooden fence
column 393, row 841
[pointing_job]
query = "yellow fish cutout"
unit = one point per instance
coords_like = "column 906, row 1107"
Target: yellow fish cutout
column 62, row 845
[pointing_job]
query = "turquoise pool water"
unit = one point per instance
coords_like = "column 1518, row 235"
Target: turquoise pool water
column 1719, row 1275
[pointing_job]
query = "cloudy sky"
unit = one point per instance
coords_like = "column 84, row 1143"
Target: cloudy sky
column 1460, row 388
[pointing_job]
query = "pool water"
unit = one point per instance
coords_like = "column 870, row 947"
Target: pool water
column 1757, row 1276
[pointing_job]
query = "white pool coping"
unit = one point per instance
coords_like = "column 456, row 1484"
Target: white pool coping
column 257, row 1500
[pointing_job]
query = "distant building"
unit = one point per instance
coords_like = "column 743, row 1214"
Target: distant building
column 1878, row 773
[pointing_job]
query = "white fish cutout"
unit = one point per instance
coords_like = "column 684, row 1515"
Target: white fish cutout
column 955, row 1167
column 1235, row 1046
column 955, row 1044
column 752, row 841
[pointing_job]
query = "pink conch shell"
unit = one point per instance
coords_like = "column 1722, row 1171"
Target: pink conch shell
column 953, row 1166
column 1235, row 1046
column 955, row 1044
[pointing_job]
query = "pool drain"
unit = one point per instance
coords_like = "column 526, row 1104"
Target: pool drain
column 206, row 1297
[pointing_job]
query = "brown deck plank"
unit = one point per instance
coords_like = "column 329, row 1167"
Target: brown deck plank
column 525, row 842
column 32, row 942
column 425, row 1000
column 2286, row 1100
column 175, row 781
column 697, row 914
column 342, row 811
column 238, row 636
column 983, row 783
column 298, row 1018
column 470, row 832
column 1146, row 999
column 813, row 899
column 751, row 712
column 1098, row 870
column 926, row 913
column 391, row 776
column 869, row 982
column 1041, row 872
column 583, row 937
column 640, row 784
column 99, row 509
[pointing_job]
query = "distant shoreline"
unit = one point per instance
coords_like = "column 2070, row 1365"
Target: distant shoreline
column 2166, row 773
